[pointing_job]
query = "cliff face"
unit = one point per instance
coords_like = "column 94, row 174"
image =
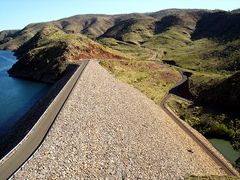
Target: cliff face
column 46, row 56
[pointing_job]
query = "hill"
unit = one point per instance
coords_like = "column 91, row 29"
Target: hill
column 133, row 30
column 94, row 25
column 98, row 25
column 219, row 25
column 46, row 56
column 229, row 91
column 236, row 11
column 6, row 36
column 199, row 40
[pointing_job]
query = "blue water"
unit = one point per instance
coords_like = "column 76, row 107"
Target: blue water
column 17, row 96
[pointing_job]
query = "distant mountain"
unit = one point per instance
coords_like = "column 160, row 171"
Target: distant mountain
column 127, row 27
column 13, row 41
column 199, row 39
column 236, row 11
column 6, row 36
column 142, row 26
column 131, row 30
column 94, row 25
column 219, row 25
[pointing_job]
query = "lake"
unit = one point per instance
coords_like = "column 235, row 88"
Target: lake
column 17, row 96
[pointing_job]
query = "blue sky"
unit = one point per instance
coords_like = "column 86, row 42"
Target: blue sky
column 16, row 14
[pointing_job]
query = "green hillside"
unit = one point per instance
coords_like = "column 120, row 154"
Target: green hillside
column 46, row 56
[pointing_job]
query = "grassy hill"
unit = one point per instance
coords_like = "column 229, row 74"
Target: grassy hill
column 94, row 26
column 229, row 91
column 46, row 56
column 6, row 35
column 199, row 40
column 220, row 26
column 131, row 30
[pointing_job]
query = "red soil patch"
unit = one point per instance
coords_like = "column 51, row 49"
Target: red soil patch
column 95, row 52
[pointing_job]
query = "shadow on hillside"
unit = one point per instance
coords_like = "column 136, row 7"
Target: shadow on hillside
column 220, row 26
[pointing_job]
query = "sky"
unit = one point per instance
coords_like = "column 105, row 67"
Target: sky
column 16, row 14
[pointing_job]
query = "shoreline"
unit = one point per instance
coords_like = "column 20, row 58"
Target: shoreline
column 10, row 139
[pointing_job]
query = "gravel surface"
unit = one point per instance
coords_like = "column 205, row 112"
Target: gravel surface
column 108, row 129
